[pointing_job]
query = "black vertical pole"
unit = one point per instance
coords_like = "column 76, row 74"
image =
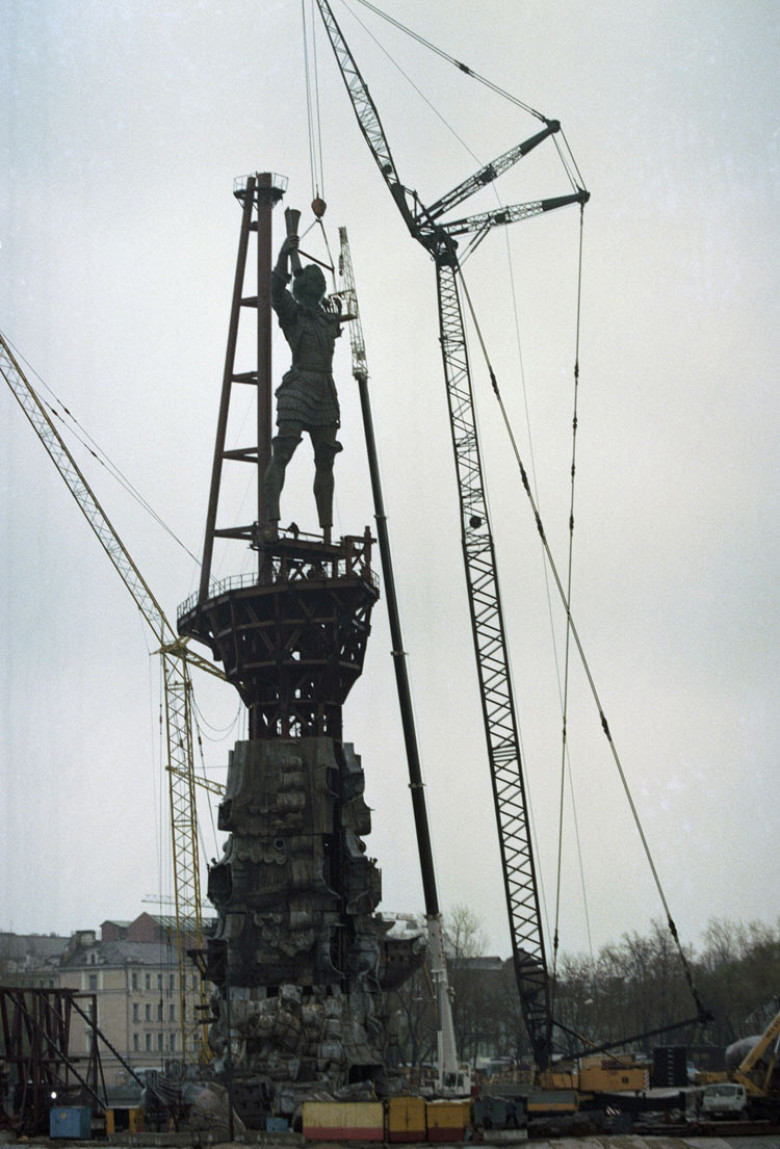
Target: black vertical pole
column 227, row 383
column 399, row 663
column 267, row 195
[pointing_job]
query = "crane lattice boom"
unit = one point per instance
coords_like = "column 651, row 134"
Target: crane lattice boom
column 437, row 237
column 176, row 677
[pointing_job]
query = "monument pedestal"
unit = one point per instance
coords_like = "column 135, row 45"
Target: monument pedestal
column 299, row 947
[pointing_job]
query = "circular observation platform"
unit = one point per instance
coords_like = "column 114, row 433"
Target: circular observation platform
column 292, row 640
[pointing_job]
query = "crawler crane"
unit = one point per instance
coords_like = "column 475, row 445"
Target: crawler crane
column 439, row 238
column 433, row 227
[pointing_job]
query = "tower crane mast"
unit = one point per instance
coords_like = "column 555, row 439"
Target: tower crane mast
column 177, row 684
column 500, row 722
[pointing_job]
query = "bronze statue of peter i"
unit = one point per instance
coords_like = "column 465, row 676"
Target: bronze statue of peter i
column 306, row 399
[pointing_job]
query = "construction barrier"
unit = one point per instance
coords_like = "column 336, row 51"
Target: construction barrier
column 406, row 1119
column 125, row 1119
column 343, row 1120
column 447, row 1120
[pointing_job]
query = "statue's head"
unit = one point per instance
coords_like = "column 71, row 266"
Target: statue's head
column 309, row 286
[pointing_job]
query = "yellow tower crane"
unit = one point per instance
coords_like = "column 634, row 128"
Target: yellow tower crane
column 176, row 660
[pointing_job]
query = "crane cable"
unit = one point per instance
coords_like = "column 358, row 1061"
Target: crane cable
column 570, row 564
column 565, row 154
column 61, row 414
column 574, row 634
column 451, row 60
column 314, row 127
column 416, row 88
column 313, row 109
column 575, row 819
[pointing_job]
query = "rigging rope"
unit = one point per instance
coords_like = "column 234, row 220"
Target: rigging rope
column 313, row 110
column 565, row 154
column 572, row 630
column 89, row 444
column 203, row 775
column 451, row 60
column 415, row 87
column 567, row 648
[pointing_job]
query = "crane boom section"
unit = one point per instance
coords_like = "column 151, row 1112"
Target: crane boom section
column 496, row 694
column 176, row 678
column 756, row 1071
column 366, row 112
column 488, row 173
column 515, row 213
column 84, row 495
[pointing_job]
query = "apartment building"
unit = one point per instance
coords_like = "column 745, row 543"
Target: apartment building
column 132, row 971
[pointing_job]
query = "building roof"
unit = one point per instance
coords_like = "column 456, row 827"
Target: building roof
column 138, row 953
column 122, row 953
column 26, row 950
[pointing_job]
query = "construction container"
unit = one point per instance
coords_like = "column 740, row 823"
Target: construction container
column 73, row 1122
column 406, row 1119
column 125, row 1119
column 343, row 1121
column 447, row 1120
column 277, row 1125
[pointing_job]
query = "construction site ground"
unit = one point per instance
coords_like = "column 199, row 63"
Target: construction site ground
column 723, row 1138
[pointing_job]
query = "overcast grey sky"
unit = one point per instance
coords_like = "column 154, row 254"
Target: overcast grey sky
column 122, row 127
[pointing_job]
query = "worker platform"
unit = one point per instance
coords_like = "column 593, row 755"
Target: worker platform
column 292, row 638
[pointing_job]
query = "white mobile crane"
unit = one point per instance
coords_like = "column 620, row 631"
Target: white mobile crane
column 176, row 661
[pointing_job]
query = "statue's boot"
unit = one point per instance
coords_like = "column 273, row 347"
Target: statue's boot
column 325, row 451
column 282, row 450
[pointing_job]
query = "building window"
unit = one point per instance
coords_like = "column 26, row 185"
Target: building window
column 171, row 1012
column 172, row 1042
column 149, row 1041
column 159, row 1011
column 171, row 982
column 134, row 981
column 93, row 981
column 136, row 1045
column 148, row 1011
column 148, row 980
column 136, row 1011
column 160, row 1040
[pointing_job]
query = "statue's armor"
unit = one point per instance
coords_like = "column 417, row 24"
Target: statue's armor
column 307, row 393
